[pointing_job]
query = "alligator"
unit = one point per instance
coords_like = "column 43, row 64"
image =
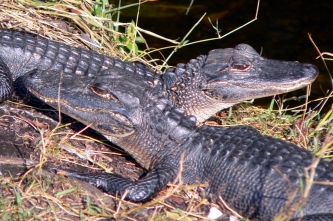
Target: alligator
column 257, row 176
column 202, row 87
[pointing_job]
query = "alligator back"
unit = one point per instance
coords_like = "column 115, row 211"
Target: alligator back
column 24, row 52
column 258, row 176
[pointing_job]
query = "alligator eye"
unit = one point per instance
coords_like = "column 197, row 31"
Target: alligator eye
column 241, row 66
column 102, row 91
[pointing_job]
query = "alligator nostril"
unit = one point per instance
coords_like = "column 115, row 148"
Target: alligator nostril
column 33, row 74
column 310, row 69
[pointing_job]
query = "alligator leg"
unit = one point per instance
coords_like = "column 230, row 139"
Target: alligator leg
column 137, row 191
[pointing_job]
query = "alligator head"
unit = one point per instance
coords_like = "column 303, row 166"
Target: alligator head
column 228, row 76
column 131, row 113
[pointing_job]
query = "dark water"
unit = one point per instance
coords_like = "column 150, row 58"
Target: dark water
column 281, row 29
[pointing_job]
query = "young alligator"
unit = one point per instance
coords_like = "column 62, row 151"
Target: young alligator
column 256, row 175
column 202, row 87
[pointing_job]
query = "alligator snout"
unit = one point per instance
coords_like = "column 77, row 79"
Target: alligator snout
column 310, row 70
column 33, row 74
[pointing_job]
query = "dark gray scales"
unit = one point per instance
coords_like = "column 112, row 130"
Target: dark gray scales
column 254, row 174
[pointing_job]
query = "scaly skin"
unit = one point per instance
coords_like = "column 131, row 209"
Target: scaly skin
column 257, row 176
column 202, row 87
column 24, row 52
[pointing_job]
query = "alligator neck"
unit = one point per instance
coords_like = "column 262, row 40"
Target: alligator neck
column 162, row 133
column 184, row 84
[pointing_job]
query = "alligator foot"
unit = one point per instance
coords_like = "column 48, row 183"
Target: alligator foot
column 137, row 191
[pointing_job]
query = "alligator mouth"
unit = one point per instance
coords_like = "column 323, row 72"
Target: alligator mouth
column 42, row 97
column 62, row 102
column 117, row 125
column 218, row 84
